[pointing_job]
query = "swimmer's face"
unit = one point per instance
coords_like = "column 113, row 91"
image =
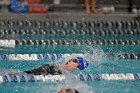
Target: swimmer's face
column 62, row 91
column 72, row 64
column 67, row 91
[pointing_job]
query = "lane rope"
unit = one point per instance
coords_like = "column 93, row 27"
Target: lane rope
column 35, row 57
column 101, row 32
column 125, row 24
column 14, row 43
column 82, row 77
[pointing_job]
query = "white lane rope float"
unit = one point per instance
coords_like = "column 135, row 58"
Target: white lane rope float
column 7, row 43
column 14, row 43
column 35, row 57
column 82, row 77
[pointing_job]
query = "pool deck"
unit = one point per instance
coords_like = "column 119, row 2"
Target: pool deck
column 70, row 15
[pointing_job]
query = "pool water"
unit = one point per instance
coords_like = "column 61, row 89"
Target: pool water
column 106, row 64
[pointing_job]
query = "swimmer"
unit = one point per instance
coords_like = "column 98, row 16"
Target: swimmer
column 58, row 69
column 70, row 90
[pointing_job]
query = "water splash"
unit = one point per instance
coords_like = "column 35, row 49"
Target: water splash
column 4, row 71
column 91, row 54
column 95, row 55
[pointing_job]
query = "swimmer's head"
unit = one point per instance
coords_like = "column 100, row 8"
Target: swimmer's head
column 70, row 90
column 78, row 62
column 82, row 63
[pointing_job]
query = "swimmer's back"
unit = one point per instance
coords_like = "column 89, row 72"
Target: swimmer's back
column 48, row 69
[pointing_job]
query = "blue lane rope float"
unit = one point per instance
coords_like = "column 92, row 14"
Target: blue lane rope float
column 57, row 56
column 14, row 43
column 82, row 77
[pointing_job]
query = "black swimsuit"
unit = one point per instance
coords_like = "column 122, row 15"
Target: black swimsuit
column 48, row 69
